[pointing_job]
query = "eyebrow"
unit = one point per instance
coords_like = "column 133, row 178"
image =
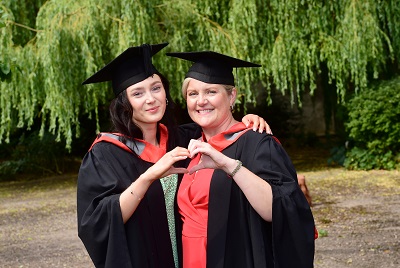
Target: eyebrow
column 141, row 88
column 206, row 88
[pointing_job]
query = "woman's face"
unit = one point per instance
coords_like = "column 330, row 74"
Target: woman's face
column 209, row 105
column 148, row 101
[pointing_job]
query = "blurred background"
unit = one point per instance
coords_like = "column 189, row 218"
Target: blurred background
column 329, row 76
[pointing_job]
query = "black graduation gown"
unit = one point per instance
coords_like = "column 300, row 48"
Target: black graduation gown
column 237, row 236
column 143, row 241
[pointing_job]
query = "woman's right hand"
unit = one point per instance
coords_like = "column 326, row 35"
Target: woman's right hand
column 165, row 166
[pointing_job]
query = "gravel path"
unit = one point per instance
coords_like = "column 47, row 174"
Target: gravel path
column 357, row 213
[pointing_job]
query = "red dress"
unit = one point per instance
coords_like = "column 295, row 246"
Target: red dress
column 193, row 197
column 193, row 207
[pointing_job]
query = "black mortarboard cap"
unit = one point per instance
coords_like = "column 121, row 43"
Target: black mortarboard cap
column 212, row 67
column 130, row 67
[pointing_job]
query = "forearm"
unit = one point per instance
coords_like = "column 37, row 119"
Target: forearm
column 130, row 199
column 257, row 191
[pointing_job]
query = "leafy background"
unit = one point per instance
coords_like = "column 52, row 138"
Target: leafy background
column 49, row 47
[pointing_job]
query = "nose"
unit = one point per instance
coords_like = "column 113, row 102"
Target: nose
column 201, row 99
column 149, row 98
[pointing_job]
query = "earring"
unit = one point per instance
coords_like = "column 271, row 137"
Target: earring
column 166, row 100
column 232, row 107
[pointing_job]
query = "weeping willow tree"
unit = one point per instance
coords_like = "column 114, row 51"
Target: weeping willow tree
column 49, row 47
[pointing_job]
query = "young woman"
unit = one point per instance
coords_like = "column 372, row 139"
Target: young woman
column 127, row 182
column 241, row 204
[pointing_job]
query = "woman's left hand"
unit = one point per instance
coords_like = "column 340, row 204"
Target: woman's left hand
column 210, row 157
column 258, row 123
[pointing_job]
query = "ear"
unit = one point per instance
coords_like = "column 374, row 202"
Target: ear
column 233, row 96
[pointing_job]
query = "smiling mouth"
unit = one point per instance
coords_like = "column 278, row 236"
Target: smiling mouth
column 152, row 109
column 204, row 111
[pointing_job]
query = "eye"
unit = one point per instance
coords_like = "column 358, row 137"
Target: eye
column 192, row 93
column 212, row 92
column 136, row 93
column 156, row 88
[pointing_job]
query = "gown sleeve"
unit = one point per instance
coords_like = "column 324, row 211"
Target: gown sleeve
column 292, row 220
column 101, row 179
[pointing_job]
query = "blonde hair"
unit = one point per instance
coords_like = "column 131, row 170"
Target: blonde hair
column 186, row 82
column 185, row 85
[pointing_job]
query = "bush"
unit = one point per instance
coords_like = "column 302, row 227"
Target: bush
column 33, row 155
column 374, row 127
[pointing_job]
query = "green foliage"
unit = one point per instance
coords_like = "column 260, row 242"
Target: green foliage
column 49, row 47
column 23, row 24
column 32, row 155
column 374, row 126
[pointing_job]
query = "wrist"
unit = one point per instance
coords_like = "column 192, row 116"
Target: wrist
column 231, row 164
column 147, row 177
column 238, row 164
column 144, row 180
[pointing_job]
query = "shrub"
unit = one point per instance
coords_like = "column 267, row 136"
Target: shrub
column 374, row 127
column 32, row 155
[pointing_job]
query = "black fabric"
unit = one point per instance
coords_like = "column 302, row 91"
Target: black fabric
column 143, row 241
column 212, row 67
column 237, row 235
column 130, row 67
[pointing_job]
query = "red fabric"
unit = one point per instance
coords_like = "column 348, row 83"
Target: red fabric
column 193, row 207
column 220, row 142
column 193, row 196
column 110, row 140
column 151, row 153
